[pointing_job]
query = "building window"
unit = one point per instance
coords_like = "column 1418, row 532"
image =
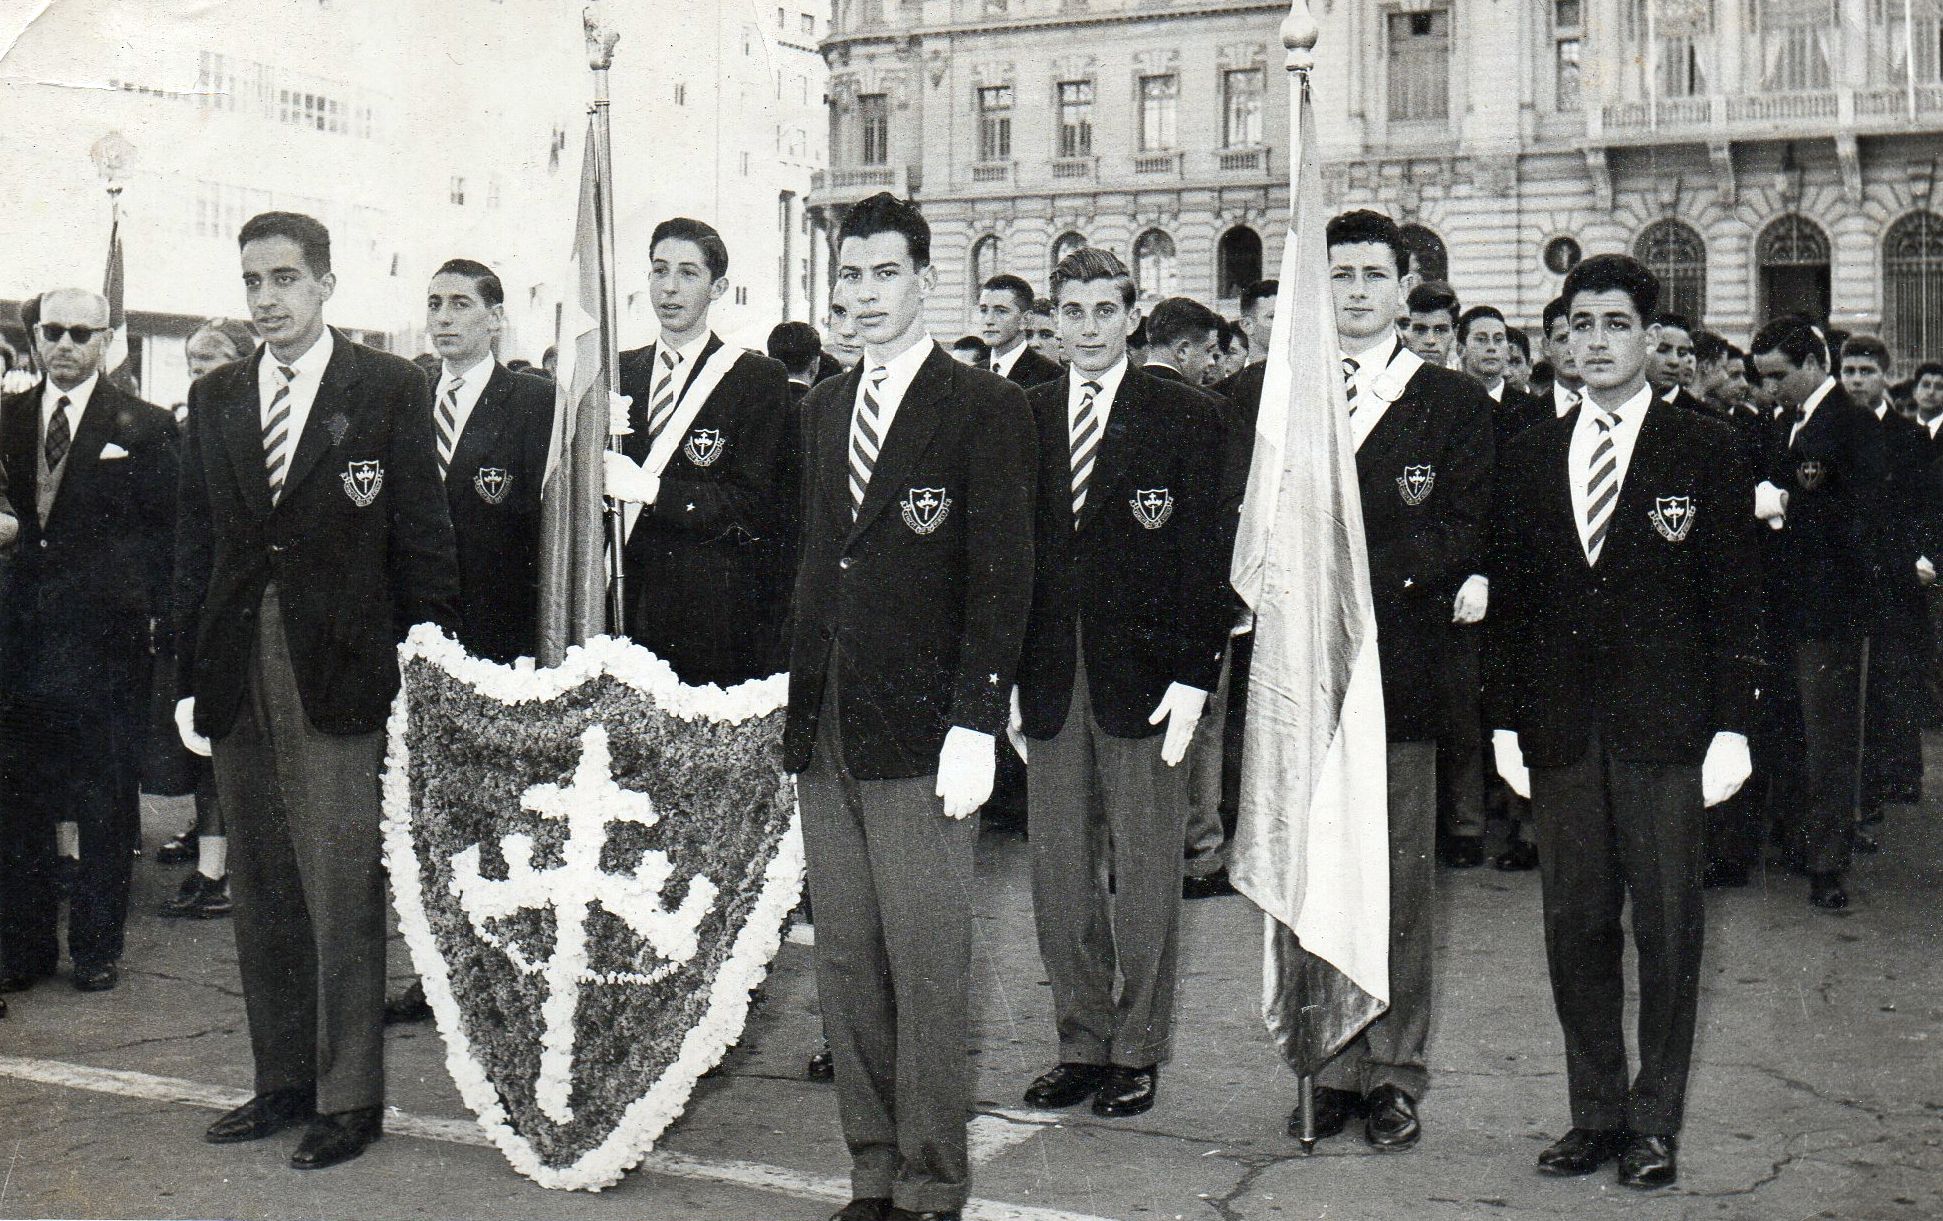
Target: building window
column 1795, row 41
column 1064, row 245
column 1792, row 254
column 874, row 129
column 1239, row 256
column 995, row 123
column 1241, row 108
column 1428, row 258
column 1153, row 265
column 1912, row 288
column 1673, row 251
column 1419, row 65
column 1567, row 75
column 492, row 193
column 1159, row 96
column 984, row 265
column 456, row 191
column 1891, row 41
column 809, row 23
column 1076, row 118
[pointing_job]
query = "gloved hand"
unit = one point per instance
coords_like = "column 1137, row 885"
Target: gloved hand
column 617, row 413
column 14, row 381
column 626, row 480
column 1015, row 728
column 185, row 727
column 1181, row 709
column 1925, row 571
column 1510, row 758
column 1770, row 504
column 1725, row 769
column 1472, row 598
column 966, row 765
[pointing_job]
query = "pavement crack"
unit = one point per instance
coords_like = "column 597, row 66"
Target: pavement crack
column 236, row 993
column 178, row 1037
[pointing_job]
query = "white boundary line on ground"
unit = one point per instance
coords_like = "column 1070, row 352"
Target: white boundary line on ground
column 987, row 1135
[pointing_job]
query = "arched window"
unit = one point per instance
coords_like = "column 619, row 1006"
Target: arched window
column 1674, row 252
column 984, row 265
column 1428, row 258
column 1153, row 265
column 1064, row 245
column 1792, row 255
column 1239, row 259
column 1912, row 288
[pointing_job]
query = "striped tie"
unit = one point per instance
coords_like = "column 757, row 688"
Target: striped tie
column 1086, row 444
column 1601, row 488
column 58, row 436
column 664, row 397
column 449, row 424
column 276, row 434
column 866, row 439
column 1349, row 383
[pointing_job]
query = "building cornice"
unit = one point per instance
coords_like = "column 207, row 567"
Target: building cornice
column 1074, row 19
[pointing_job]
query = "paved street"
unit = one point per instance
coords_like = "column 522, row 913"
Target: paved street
column 1817, row 1091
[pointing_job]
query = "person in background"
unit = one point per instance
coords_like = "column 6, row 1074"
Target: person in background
column 1040, row 333
column 973, row 351
column 1004, row 303
column 1567, row 386
column 550, row 362
column 1234, row 356
column 1671, row 366
column 1517, row 361
column 1429, row 324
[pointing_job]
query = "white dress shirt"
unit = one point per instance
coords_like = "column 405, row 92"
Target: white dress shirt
column 77, row 403
column 1565, row 400
column 1002, row 362
column 309, row 376
column 1109, row 384
column 899, row 372
column 1585, row 438
column 1496, row 390
column 1808, row 406
column 685, row 360
column 472, row 383
column 1932, row 424
column 1370, row 408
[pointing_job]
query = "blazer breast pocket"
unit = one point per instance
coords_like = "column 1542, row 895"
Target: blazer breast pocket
column 1672, row 517
column 704, row 447
column 926, row 509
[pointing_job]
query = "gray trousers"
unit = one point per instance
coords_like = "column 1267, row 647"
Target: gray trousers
column 303, row 810
column 1079, row 782
column 1207, row 839
column 1390, row 1050
column 890, row 878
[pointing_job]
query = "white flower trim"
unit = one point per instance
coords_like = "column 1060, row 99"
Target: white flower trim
column 756, row 943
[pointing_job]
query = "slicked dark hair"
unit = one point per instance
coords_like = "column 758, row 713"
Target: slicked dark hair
column 1711, row 347
column 1679, row 322
column 1179, row 318
column 1555, row 309
column 797, row 345
column 313, row 240
column 1795, row 337
column 1005, row 282
column 1041, row 305
column 1519, row 340
column 1258, row 292
column 1366, row 225
column 1929, row 368
column 1614, row 273
column 491, row 291
column 715, row 251
column 886, row 213
column 972, row 343
column 1470, row 316
column 1093, row 263
column 1867, row 347
column 1430, row 297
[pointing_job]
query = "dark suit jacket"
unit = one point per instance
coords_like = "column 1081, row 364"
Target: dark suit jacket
column 1424, row 473
column 917, row 608
column 1032, row 369
column 700, row 563
column 1515, row 412
column 493, row 494
column 1828, row 579
column 360, row 545
column 1144, row 583
column 1657, row 648
column 81, row 593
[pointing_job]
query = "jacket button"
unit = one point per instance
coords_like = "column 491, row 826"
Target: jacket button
column 43, row 544
column 843, row 563
column 824, row 633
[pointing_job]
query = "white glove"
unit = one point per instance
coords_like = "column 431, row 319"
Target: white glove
column 1472, row 598
column 1770, row 504
column 617, row 411
column 1725, row 769
column 9, row 529
column 1181, row 709
column 1925, row 571
column 17, row 380
column 966, row 766
column 1510, row 758
column 1015, row 727
column 185, row 728
column 626, row 480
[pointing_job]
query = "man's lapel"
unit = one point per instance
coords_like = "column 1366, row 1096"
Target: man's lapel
column 1134, row 386
column 834, row 444
column 1630, row 518
column 488, row 419
column 918, row 415
column 340, row 375
column 96, row 427
column 240, row 412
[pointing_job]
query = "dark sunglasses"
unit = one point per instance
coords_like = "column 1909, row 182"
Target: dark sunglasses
column 52, row 332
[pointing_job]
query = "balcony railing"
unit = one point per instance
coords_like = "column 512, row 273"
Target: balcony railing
column 992, row 172
column 859, row 181
column 1150, row 164
column 1242, row 161
column 1783, row 107
column 1074, row 169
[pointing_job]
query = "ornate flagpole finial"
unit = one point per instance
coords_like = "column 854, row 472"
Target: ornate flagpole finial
column 1299, row 34
column 601, row 36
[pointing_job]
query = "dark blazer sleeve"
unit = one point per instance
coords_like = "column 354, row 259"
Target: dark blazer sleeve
column 194, row 549
column 1509, row 552
column 1732, row 568
column 747, row 499
column 1208, row 603
column 1451, row 545
column 424, row 557
column 1001, row 478
column 162, row 470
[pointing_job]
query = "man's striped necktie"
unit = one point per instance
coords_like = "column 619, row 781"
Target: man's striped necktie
column 1349, row 383
column 276, row 433
column 866, row 439
column 1086, row 444
column 449, row 424
column 1601, row 487
column 58, row 436
column 663, row 397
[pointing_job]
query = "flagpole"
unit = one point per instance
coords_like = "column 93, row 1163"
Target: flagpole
column 1299, row 37
column 601, row 37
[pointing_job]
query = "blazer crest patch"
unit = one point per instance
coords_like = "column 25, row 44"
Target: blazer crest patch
column 1152, row 506
column 363, row 481
column 1672, row 516
column 925, row 509
column 492, row 483
column 1415, row 483
column 1812, row 472
column 704, row 446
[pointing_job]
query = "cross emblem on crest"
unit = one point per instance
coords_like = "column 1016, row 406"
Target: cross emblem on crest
column 588, row 805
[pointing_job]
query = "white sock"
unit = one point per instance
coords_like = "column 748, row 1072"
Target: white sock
column 67, row 839
column 212, row 855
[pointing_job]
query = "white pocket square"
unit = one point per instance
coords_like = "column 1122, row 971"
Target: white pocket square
column 111, row 451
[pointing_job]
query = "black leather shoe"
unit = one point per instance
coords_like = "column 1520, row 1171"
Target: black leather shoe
column 263, row 1115
column 1517, row 858
column 1066, row 1083
column 408, row 1006
column 1862, row 839
column 865, row 1208
column 3, row 1009
column 1650, row 1161
column 20, row 981
column 1582, row 1151
column 1127, row 1091
column 1464, row 852
column 822, row 1067
column 335, row 1138
column 905, row 1214
column 96, row 977
column 1390, row 1118
column 1334, row 1109
column 1213, row 886
column 200, row 898
column 1724, row 874
column 1825, row 891
column 178, row 851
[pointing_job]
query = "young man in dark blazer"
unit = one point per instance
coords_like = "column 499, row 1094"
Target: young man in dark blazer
column 313, row 534
column 911, row 602
column 492, row 427
column 90, row 470
column 1622, row 694
column 702, row 475
column 1130, row 617
column 1003, row 303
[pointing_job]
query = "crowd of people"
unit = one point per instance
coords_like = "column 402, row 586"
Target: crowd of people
column 1653, row 602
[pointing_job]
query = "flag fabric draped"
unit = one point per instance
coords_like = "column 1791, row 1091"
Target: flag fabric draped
column 115, row 365
column 1312, row 845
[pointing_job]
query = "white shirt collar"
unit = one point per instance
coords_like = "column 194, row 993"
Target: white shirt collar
column 77, row 400
column 1565, row 399
column 1108, row 380
column 1671, row 393
column 1002, row 362
column 899, row 372
column 472, row 384
column 1374, row 359
column 686, row 352
column 1496, row 390
column 310, row 366
column 474, row 376
column 1932, row 424
column 1624, row 429
column 1808, row 406
column 1882, row 408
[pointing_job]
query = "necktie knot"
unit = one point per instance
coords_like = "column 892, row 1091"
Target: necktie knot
column 458, row 384
column 877, row 377
column 667, row 359
column 64, row 404
column 1091, row 388
column 287, row 373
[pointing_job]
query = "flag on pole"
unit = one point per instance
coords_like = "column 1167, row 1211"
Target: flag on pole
column 1312, row 844
column 115, row 365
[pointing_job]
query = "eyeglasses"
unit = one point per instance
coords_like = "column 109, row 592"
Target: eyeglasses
column 52, row 332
